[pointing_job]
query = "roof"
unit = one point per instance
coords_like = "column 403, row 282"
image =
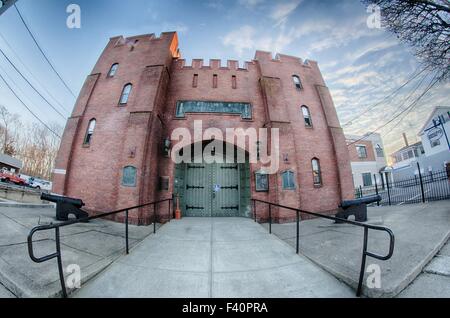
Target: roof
column 10, row 161
column 431, row 116
column 410, row 146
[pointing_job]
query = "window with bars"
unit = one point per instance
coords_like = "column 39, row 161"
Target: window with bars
column 129, row 176
column 288, row 181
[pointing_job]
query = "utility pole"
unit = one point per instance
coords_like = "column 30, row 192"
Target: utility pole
column 5, row 4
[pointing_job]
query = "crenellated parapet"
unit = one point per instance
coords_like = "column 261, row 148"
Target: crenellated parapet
column 213, row 64
column 265, row 56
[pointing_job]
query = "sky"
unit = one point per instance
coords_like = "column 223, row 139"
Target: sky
column 362, row 66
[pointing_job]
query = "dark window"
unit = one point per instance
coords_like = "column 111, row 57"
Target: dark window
column 297, row 82
column 89, row 132
column 379, row 150
column 307, row 116
column 125, row 94
column 367, row 179
column 317, row 174
column 215, row 81
column 134, row 45
column 362, row 152
column 113, row 70
column 262, row 182
column 129, row 176
column 233, row 82
column 435, row 143
column 195, row 80
column 288, row 180
column 163, row 183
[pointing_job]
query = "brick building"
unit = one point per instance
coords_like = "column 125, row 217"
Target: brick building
column 113, row 151
column 368, row 160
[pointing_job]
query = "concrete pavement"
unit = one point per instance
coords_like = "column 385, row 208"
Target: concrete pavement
column 92, row 246
column 434, row 281
column 420, row 232
column 214, row 257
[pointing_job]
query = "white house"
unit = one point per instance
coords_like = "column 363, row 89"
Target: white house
column 432, row 153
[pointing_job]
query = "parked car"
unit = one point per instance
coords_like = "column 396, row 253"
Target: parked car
column 26, row 178
column 8, row 176
column 41, row 184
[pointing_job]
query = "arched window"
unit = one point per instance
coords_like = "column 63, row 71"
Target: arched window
column 113, row 69
column 125, row 94
column 129, row 176
column 89, row 132
column 306, row 116
column 317, row 174
column 288, row 180
column 297, row 82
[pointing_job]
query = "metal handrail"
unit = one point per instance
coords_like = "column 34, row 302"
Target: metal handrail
column 57, row 226
column 366, row 227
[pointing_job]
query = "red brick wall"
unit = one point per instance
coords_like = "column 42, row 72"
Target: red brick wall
column 354, row 154
column 133, row 135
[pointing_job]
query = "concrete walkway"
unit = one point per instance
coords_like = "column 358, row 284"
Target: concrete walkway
column 420, row 232
column 434, row 281
column 92, row 246
column 213, row 257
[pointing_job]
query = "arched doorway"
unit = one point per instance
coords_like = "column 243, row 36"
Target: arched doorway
column 217, row 189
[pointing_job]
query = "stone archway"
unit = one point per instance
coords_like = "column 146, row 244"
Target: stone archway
column 217, row 189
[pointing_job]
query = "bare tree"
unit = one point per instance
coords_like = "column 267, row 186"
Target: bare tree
column 9, row 131
column 33, row 144
column 37, row 149
column 422, row 24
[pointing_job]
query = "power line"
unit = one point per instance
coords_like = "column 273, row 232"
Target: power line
column 384, row 99
column 31, row 73
column 401, row 119
column 42, row 52
column 28, row 82
column 411, row 106
column 32, row 113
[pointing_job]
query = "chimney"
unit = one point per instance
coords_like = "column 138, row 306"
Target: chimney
column 405, row 139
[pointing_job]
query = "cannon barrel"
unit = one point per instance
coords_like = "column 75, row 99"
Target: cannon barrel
column 60, row 199
column 366, row 200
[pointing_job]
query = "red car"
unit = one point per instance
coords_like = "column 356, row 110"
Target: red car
column 6, row 176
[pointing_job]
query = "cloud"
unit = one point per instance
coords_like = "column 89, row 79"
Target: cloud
column 247, row 38
column 181, row 28
column 215, row 4
column 240, row 39
column 281, row 11
column 250, row 3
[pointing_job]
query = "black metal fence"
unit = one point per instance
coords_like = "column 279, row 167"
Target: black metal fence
column 423, row 187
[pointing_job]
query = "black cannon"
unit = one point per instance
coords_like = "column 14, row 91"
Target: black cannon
column 66, row 206
column 357, row 207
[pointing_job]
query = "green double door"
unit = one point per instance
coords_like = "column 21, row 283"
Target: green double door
column 211, row 190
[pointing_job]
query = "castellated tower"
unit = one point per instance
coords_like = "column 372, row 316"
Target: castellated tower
column 112, row 152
